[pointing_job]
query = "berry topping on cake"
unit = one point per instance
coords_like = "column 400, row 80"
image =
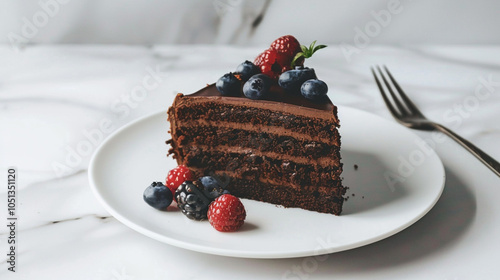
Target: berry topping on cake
column 306, row 52
column 192, row 200
column 257, row 86
column 293, row 79
column 177, row 176
column 229, row 84
column 314, row 89
column 226, row 213
column 271, row 63
column 286, row 45
column 284, row 54
column 158, row 196
column 247, row 69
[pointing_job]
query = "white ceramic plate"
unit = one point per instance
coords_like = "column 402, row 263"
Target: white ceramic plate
column 383, row 151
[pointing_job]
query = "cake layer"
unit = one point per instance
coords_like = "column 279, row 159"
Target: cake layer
column 279, row 131
column 250, row 165
column 324, row 200
column 256, row 140
column 227, row 113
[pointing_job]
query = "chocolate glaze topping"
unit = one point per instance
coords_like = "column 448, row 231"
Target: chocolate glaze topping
column 276, row 94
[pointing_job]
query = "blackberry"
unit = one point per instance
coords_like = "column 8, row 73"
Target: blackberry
column 192, row 200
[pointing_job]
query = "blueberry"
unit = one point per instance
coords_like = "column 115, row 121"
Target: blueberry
column 293, row 79
column 158, row 196
column 209, row 182
column 257, row 86
column 314, row 89
column 247, row 69
column 228, row 84
column 212, row 186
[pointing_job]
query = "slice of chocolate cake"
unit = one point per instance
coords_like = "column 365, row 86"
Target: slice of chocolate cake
column 284, row 149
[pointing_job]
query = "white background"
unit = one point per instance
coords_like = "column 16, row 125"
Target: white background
column 230, row 21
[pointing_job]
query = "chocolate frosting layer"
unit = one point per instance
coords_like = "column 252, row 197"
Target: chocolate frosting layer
column 276, row 94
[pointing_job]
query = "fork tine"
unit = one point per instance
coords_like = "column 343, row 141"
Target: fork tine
column 402, row 109
column 388, row 103
column 409, row 104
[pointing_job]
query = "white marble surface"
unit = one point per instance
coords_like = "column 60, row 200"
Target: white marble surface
column 58, row 102
column 247, row 22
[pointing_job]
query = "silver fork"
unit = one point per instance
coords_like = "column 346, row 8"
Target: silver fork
column 405, row 112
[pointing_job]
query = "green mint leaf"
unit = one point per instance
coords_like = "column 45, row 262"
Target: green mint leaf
column 319, row 47
column 311, row 47
column 297, row 56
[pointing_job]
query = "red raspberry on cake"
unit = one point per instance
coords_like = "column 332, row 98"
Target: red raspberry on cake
column 278, row 58
column 226, row 213
column 176, row 177
column 270, row 63
column 286, row 45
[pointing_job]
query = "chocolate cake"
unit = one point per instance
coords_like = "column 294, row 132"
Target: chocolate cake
column 283, row 149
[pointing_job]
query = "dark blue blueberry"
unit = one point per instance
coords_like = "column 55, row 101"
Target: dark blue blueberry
column 212, row 186
column 257, row 86
column 314, row 89
column 292, row 79
column 158, row 196
column 209, row 182
column 247, row 69
column 228, row 85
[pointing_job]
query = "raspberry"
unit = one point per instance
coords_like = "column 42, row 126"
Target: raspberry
column 226, row 213
column 271, row 63
column 266, row 62
column 286, row 45
column 176, row 177
column 278, row 58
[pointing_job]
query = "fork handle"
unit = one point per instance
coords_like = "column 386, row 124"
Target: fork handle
column 482, row 156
